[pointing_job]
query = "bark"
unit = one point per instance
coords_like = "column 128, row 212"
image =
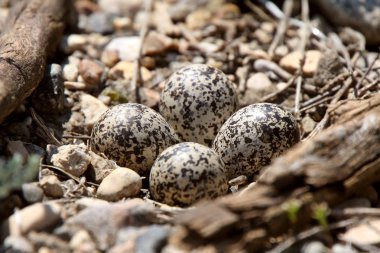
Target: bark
column 32, row 32
column 327, row 168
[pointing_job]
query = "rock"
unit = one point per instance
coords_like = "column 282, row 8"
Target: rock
column 86, row 112
column 314, row 247
column 17, row 243
column 262, row 36
column 51, row 186
column 127, row 47
column 258, row 85
column 85, row 202
column 125, row 70
column 291, row 61
column 73, row 42
column 104, row 221
column 32, row 192
column 75, row 86
column 280, row 52
column 308, row 124
column 121, row 7
column 73, row 159
column 198, row 18
column 156, row 43
column 122, row 23
column 181, row 9
column 329, row 67
column 343, row 248
column 99, row 168
column 153, row 239
column 82, row 242
column 109, row 58
column 91, row 71
column 70, row 72
column 364, row 233
column 97, row 22
column 120, row 183
column 37, row 217
column 49, row 96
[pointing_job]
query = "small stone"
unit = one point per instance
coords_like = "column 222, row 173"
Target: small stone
column 262, row 36
column 291, row 61
column 70, row 72
column 104, row 221
column 122, row 23
column 82, row 242
column 198, row 18
column 86, row 202
column 35, row 217
column 17, row 243
column 109, row 58
column 97, row 22
column 75, row 85
column 268, row 27
column 127, row 47
column 32, row 192
column 364, row 233
column 73, row 159
column 73, row 42
column 91, row 71
column 258, row 85
column 151, row 240
column 314, row 247
column 120, row 183
column 121, row 7
column 308, row 124
column 343, row 248
column 280, row 52
column 51, row 186
column 99, row 168
column 156, row 43
column 125, row 70
column 148, row 62
column 148, row 97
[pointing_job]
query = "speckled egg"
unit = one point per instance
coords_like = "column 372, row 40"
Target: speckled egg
column 187, row 172
column 253, row 136
column 196, row 101
column 132, row 135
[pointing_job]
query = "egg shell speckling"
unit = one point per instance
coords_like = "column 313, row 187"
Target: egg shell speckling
column 196, row 101
column 187, row 172
column 253, row 136
column 132, row 135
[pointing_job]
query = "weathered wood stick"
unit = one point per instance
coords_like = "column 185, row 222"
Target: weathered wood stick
column 32, row 32
column 328, row 169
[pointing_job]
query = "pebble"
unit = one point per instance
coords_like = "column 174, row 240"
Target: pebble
column 156, row 43
column 86, row 202
column 258, row 85
column 122, row 23
column 73, row 42
column 74, row 85
column 198, row 18
column 70, row 72
column 104, row 221
column 127, row 47
column 291, row 61
column 17, row 243
column 109, row 58
column 125, row 70
column 262, row 36
column 121, row 7
column 308, row 124
column 120, row 183
column 73, row 159
column 280, row 52
column 97, row 22
column 91, row 71
column 87, row 111
column 152, row 240
column 82, row 242
column 364, row 233
column 343, row 248
column 99, row 168
column 32, row 192
column 51, row 186
column 37, row 217
column 314, row 247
